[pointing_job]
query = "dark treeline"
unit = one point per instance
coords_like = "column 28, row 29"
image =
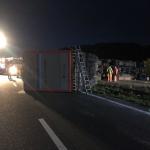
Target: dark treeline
column 124, row 51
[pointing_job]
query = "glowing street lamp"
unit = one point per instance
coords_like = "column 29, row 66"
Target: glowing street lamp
column 3, row 40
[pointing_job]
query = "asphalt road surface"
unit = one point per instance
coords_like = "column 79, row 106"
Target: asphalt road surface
column 62, row 121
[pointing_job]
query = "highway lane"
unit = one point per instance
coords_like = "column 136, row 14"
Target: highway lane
column 21, row 129
column 118, row 127
column 79, row 121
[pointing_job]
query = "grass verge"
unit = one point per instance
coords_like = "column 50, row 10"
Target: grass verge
column 131, row 94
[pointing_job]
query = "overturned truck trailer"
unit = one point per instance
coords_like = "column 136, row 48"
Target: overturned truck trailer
column 49, row 71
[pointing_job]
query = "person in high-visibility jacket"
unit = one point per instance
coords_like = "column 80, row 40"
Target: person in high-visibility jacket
column 109, row 74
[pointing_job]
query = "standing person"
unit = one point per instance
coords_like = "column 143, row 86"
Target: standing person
column 115, row 73
column 119, row 71
column 109, row 74
column 8, row 71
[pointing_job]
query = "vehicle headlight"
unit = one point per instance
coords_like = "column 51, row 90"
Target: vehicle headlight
column 13, row 70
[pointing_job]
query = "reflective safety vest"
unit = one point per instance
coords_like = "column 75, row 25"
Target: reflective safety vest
column 109, row 70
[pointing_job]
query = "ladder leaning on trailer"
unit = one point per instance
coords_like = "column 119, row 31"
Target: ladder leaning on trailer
column 81, row 80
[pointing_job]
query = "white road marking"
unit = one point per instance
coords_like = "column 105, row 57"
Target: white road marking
column 120, row 104
column 52, row 135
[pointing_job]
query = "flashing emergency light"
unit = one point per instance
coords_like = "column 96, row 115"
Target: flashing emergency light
column 2, row 66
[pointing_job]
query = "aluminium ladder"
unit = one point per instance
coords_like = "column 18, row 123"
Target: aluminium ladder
column 81, row 78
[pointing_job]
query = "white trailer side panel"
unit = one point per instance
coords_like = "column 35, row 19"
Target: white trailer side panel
column 48, row 71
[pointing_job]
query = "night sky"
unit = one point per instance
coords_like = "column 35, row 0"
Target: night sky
column 47, row 24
